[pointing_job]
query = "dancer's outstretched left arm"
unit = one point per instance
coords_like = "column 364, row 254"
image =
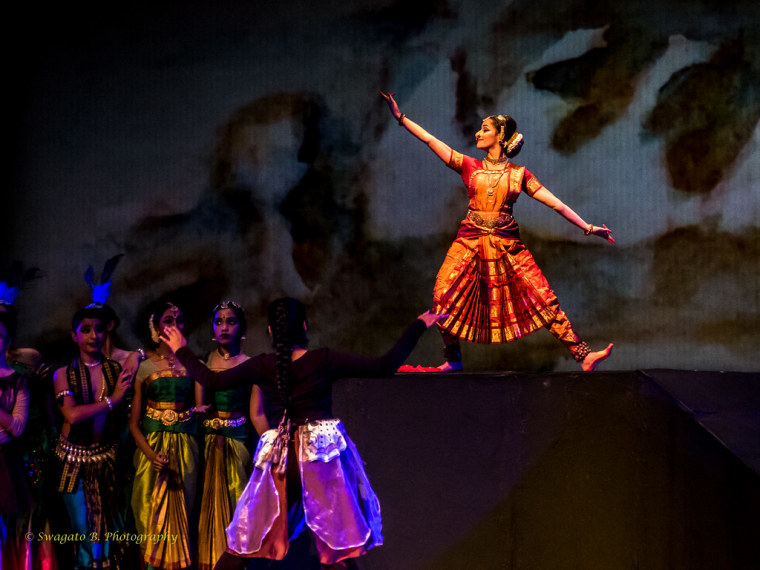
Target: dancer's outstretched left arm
column 547, row 198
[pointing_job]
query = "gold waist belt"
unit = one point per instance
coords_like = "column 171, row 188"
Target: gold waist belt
column 71, row 453
column 218, row 423
column 169, row 417
column 499, row 222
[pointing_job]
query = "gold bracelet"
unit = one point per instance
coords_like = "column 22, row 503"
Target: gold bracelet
column 588, row 230
column 401, row 118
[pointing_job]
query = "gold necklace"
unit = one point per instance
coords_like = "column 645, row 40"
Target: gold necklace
column 491, row 191
column 170, row 360
column 227, row 356
column 500, row 160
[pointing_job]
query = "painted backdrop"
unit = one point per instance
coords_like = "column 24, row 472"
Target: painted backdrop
column 241, row 150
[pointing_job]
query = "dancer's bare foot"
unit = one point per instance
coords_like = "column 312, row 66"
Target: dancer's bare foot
column 594, row 358
column 450, row 366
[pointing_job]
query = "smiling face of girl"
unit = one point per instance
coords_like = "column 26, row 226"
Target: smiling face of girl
column 488, row 136
column 90, row 336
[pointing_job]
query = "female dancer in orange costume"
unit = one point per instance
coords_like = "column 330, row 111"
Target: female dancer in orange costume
column 489, row 283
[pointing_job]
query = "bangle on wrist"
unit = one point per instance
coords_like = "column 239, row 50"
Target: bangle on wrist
column 588, row 230
column 401, row 118
column 108, row 402
column 142, row 355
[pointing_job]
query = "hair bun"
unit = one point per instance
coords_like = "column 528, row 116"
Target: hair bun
column 514, row 144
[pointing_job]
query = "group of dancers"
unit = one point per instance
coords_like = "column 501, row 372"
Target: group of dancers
column 235, row 456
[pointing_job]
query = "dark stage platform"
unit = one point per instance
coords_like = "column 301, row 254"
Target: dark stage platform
column 605, row 470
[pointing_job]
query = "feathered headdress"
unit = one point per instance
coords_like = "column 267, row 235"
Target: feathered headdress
column 12, row 279
column 102, row 290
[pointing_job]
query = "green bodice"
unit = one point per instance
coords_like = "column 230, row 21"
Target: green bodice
column 162, row 387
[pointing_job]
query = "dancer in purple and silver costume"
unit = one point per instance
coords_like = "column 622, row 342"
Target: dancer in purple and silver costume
column 307, row 471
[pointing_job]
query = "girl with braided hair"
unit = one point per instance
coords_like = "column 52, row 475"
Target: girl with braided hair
column 489, row 283
column 307, row 471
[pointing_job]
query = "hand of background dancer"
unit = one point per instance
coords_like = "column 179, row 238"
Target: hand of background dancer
column 122, row 385
column 132, row 363
column 160, row 461
column 392, row 105
column 430, row 318
column 173, row 338
column 42, row 371
column 603, row 232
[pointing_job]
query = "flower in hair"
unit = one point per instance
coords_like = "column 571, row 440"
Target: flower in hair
column 154, row 336
column 514, row 142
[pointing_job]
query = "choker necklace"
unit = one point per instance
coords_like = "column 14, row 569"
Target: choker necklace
column 227, row 356
column 500, row 160
column 94, row 364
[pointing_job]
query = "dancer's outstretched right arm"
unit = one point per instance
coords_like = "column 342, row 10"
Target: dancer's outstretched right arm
column 440, row 148
column 346, row 365
column 245, row 374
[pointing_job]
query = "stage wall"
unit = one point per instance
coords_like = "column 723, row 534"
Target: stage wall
column 561, row 471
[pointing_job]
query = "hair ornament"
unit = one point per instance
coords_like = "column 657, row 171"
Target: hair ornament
column 8, row 294
column 514, row 143
column 12, row 279
column 172, row 308
column 227, row 305
column 154, row 336
column 102, row 290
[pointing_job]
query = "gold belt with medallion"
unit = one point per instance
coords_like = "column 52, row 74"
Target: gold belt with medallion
column 218, row 423
column 169, row 416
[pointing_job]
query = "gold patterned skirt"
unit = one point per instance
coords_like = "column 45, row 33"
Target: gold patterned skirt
column 227, row 468
column 162, row 502
column 492, row 289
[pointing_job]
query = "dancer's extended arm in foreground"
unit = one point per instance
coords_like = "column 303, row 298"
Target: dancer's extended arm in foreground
column 250, row 370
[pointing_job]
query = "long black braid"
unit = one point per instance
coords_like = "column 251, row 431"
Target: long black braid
column 287, row 317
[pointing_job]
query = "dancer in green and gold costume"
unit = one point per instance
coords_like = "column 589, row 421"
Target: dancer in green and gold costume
column 164, row 426
column 229, row 435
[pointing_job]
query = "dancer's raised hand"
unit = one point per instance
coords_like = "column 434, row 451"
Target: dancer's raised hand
column 392, row 105
column 173, row 338
column 603, row 232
